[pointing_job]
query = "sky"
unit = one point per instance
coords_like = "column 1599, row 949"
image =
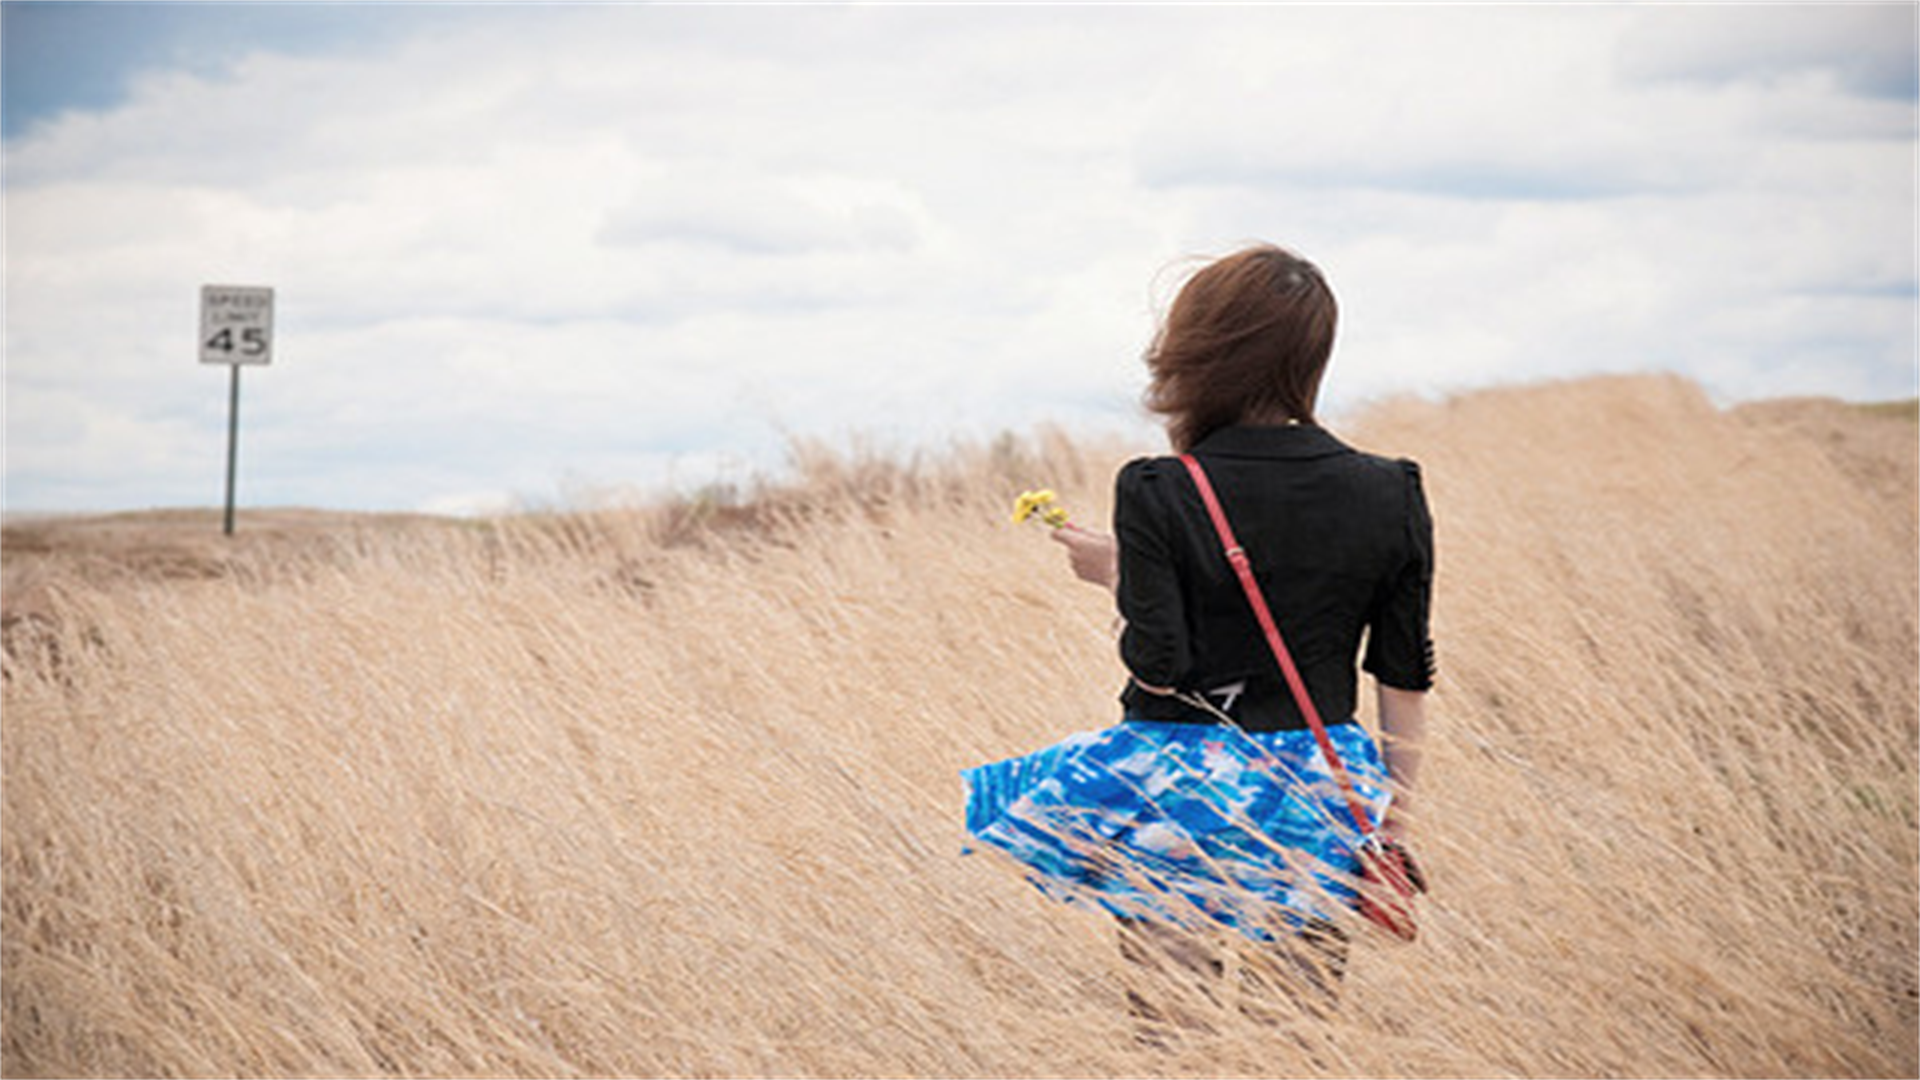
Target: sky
column 539, row 256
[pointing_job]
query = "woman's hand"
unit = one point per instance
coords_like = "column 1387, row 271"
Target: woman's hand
column 1094, row 557
column 1395, row 827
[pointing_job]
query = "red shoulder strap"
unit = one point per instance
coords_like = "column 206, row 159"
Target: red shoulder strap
column 1243, row 569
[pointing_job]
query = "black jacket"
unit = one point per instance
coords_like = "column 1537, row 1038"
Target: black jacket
column 1341, row 543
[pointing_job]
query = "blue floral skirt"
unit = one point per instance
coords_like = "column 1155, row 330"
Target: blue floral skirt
column 1185, row 823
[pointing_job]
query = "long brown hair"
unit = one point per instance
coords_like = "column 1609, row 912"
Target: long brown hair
column 1247, row 339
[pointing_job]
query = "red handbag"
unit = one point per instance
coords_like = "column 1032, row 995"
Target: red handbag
column 1389, row 877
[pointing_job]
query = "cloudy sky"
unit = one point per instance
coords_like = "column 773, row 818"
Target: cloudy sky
column 534, row 253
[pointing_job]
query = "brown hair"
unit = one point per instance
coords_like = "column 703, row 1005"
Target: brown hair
column 1247, row 339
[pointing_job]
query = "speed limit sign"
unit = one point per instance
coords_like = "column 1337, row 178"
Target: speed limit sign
column 236, row 324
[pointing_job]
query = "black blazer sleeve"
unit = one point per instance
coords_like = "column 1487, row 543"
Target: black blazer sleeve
column 1399, row 646
column 1154, row 642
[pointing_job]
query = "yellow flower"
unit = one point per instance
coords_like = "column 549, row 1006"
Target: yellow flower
column 1042, row 503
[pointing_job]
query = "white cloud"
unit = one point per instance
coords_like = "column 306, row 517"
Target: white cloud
column 600, row 245
column 1866, row 48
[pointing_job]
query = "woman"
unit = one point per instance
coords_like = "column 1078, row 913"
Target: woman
column 1342, row 547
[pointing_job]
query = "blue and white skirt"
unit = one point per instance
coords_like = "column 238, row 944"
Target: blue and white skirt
column 1185, row 823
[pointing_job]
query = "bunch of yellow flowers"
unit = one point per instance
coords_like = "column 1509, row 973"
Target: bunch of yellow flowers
column 1041, row 503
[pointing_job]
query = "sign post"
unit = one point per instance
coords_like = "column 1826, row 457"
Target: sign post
column 236, row 329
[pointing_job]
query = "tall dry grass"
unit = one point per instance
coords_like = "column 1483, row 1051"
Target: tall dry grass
column 674, row 791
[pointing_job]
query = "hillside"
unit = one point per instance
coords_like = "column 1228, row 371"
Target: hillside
column 674, row 791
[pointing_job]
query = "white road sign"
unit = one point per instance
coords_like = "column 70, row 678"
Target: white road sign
column 236, row 324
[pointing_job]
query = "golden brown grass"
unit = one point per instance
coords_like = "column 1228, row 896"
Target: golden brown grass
column 673, row 791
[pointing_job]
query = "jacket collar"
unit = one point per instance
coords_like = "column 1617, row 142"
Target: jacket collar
column 1289, row 442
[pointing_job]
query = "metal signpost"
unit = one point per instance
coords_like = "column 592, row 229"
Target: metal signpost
column 236, row 329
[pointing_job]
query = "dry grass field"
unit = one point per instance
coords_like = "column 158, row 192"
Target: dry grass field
column 674, row 790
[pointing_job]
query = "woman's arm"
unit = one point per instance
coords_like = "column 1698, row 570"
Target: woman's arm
column 1403, row 725
column 1095, row 559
